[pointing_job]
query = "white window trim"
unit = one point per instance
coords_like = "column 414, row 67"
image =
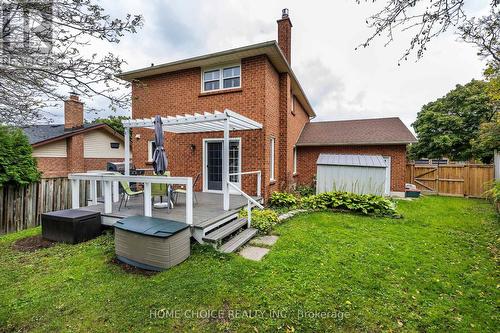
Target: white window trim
column 294, row 160
column 293, row 105
column 221, row 78
column 272, row 159
column 150, row 151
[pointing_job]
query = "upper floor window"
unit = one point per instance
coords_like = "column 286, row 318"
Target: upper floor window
column 222, row 78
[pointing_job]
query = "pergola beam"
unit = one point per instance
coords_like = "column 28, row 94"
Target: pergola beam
column 197, row 123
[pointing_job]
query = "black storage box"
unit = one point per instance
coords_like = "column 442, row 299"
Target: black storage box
column 71, row 225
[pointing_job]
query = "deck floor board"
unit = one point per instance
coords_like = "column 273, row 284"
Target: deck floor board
column 209, row 208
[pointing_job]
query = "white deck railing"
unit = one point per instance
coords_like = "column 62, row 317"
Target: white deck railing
column 259, row 178
column 111, row 181
column 251, row 202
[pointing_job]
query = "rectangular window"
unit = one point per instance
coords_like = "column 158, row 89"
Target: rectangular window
column 115, row 145
column 151, row 150
column 222, row 78
column 294, row 160
column 271, row 162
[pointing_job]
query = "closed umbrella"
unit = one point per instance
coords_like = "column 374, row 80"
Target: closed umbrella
column 160, row 162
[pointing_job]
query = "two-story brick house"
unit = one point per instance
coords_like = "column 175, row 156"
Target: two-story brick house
column 256, row 81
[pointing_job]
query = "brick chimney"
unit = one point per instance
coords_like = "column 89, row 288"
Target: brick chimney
column 285, row 34
column 73, row 112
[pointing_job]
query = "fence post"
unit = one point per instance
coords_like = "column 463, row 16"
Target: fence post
column 75, row 193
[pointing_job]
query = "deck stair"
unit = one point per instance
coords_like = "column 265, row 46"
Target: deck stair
column 226, row 230
column 237, row 241
column 227, row 236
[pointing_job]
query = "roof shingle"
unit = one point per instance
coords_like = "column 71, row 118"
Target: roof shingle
column 378, row 131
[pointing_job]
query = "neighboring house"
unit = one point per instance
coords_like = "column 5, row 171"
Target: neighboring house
column 256, row 81
column 74, row 146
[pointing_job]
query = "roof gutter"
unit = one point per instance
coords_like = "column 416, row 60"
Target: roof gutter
column 195, row 62
column 355, row 144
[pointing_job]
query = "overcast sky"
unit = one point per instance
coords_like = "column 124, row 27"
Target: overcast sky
column 340, row 82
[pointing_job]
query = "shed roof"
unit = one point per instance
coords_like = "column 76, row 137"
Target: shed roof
column 379, row 131
column 374, row 161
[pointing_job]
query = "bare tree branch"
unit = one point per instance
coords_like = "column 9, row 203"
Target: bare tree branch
column 40, row 55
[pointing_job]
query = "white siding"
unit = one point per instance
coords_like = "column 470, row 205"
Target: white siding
column 53, row 149
column 362, row 180
column 97, row 144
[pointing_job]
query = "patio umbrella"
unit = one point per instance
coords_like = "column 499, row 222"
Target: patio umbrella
column 160, row 161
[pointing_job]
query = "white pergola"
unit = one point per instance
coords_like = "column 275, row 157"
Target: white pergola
column 197, row 123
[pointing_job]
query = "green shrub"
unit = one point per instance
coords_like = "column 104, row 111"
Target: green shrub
column 263, row 220
column 305, row 190
column 367, row 204
column 17, row 166
column 493, row 194
column 282, row 200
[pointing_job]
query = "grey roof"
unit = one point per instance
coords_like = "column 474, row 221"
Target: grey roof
column 39, row 133
column 374, row 161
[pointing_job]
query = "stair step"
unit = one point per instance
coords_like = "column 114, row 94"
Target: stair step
column 237, row 241
column 225, row 230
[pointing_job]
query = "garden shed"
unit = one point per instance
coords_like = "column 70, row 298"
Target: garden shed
column 362, row 174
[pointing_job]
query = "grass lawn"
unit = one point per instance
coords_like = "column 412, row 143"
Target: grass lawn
column 433, row 270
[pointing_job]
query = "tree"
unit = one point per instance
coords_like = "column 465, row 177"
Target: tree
column 488, row 139
column 17, row 165
column 427, row 19
column 447, row 126
column 114, row 121
column 42, row 55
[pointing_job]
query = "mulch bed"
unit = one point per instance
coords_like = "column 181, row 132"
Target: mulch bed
column 33, row 243
column 132, row 269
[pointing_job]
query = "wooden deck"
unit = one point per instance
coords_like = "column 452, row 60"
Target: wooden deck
column 206, row 211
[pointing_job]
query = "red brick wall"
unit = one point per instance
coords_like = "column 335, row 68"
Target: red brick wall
column 58, row 166
column 180, row 93
column 307, row 157
column 296, row 122
column 73, row 112
column 99, row 163
column 285, row 37
column 52, row 166
column 75, row 153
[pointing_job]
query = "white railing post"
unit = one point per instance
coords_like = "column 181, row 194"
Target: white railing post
column 75, row 193
column 127, row 150
column 249, row 209
column 259, row 183
column 148, row 210
column 108, row 203
column 116, row 192
column 189, row 201
column 93, row 192
column 225, row 164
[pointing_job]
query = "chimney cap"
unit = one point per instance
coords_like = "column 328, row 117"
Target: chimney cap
column 284, row 13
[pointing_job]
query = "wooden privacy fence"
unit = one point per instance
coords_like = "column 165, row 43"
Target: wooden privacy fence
column 21, row 206
column 469, row 180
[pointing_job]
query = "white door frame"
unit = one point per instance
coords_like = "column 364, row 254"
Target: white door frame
column 204, row 161
column 388, row 176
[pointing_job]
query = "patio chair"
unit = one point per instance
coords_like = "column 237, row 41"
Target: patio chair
column 182, row 190
column 127, row 193
column 160, row 190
